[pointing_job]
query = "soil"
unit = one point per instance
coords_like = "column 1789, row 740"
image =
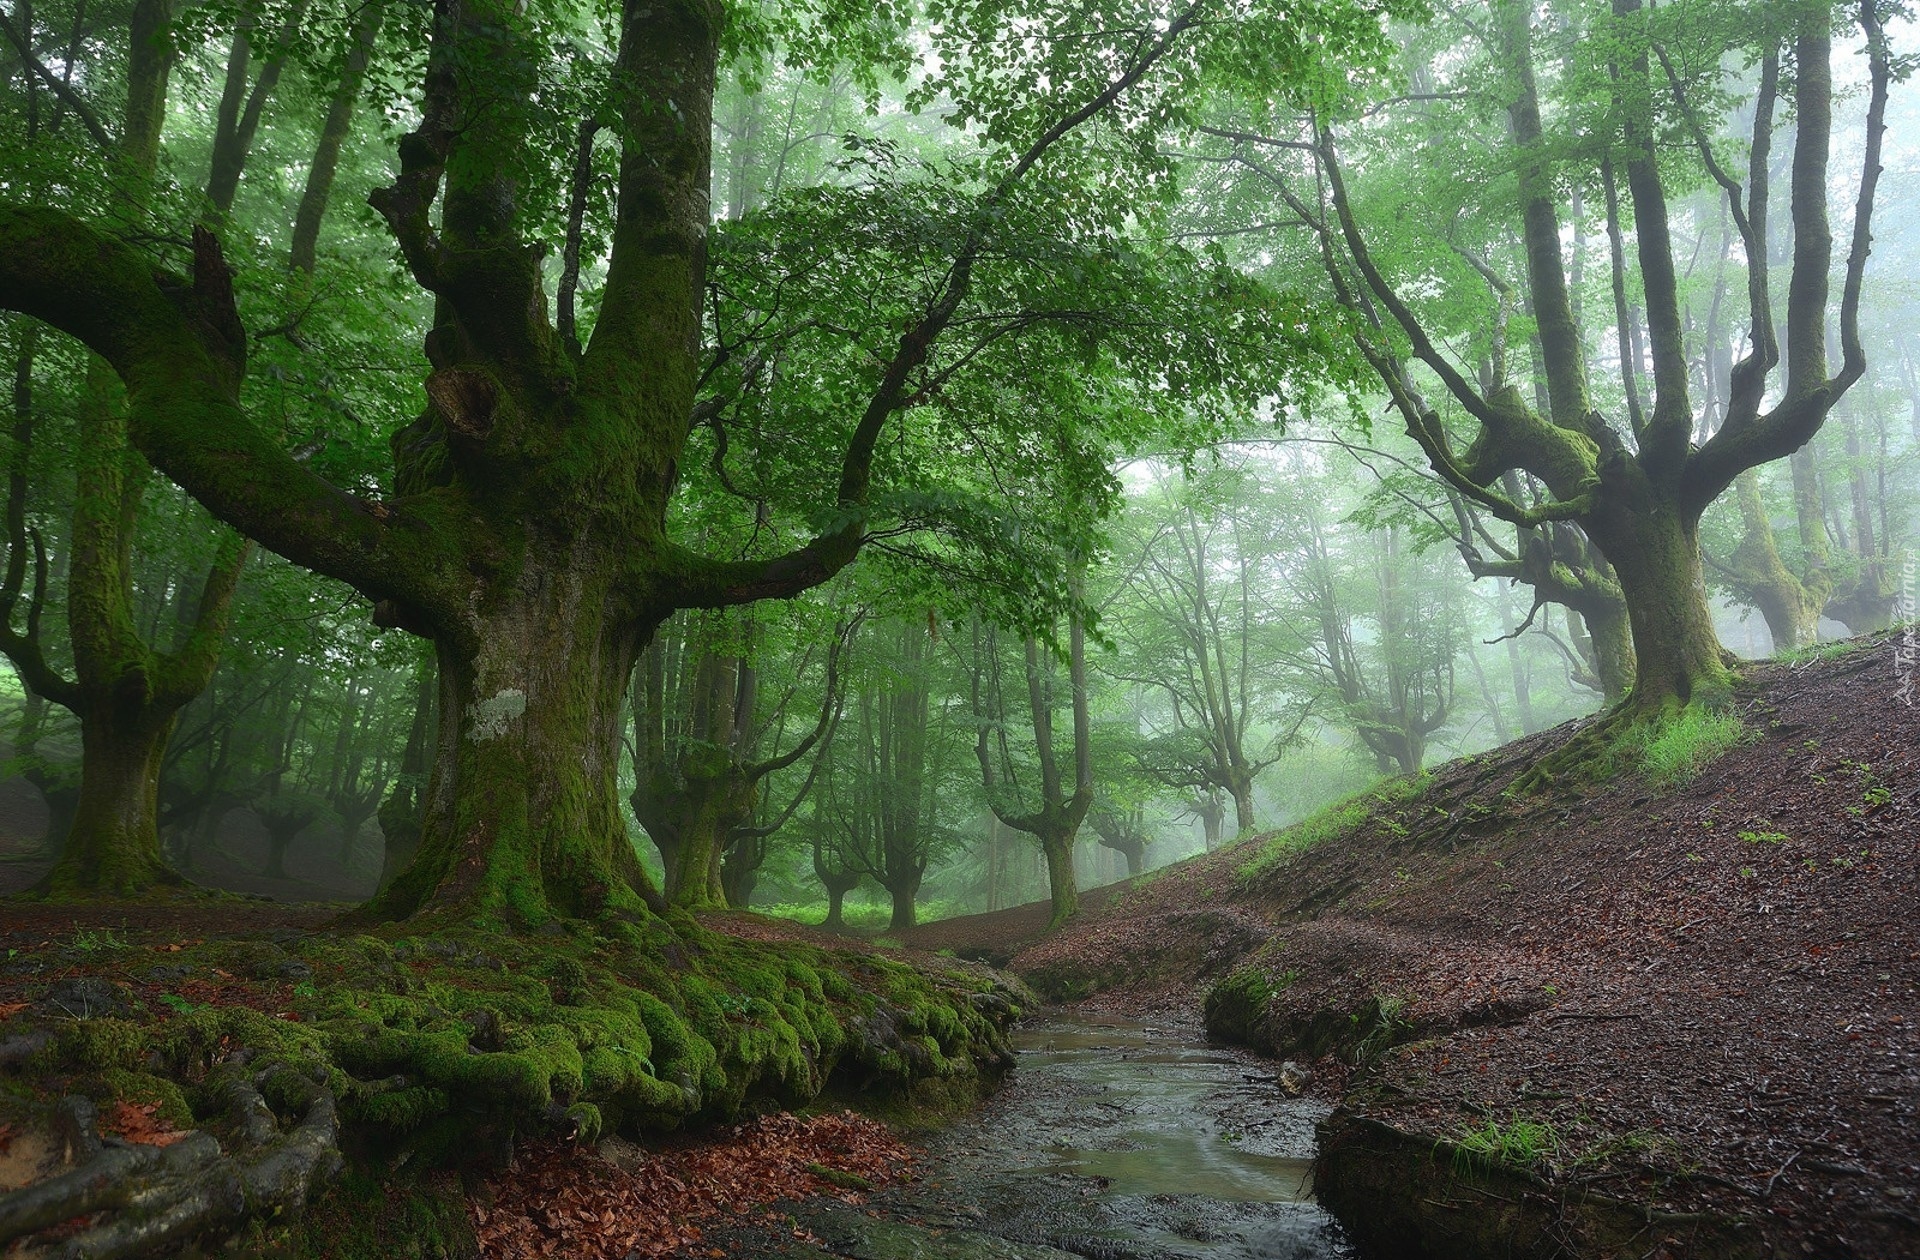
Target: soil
column 1702, row 1000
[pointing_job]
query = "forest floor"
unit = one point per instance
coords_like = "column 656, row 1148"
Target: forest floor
column 1698, row 1004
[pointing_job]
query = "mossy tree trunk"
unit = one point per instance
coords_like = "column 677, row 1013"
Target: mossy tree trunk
column 1790, row 603
column 113, row 845
column 1679, row 654
column 126, row 694
column 522, row 813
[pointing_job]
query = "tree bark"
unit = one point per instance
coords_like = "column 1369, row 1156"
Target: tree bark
column 1678, row 657
column 522, row 817
column 113, row 846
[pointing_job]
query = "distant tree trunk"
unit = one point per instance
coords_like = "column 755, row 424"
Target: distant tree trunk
column 1522, row 679
column 1213, row 817
column 1790, row 606
column 333, row 134
column 401, row 812
column 1055, row 821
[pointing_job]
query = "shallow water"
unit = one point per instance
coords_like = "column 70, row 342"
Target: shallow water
column 1125, row 1141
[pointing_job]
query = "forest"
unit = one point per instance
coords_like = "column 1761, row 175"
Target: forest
column 588, row 585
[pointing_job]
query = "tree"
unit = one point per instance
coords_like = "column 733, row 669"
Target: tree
column 1636, row 485
column 126, row 692
column 1047, row 810
column 1200, row 632
column 1640, row 490
column 698, row 778
column 526, row 530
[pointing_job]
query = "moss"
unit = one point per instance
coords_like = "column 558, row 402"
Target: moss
column 441, row 1048
column 369, row 1212
column 141, row 1088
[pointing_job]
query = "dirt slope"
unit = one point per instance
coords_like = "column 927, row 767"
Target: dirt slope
column 1683, row 1023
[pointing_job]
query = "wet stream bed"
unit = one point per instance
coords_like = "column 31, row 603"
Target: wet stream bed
column 1112, row 1141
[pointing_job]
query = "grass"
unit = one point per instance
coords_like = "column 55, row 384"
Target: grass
column 96, row 940
column 1333, row 820
column 1672, row 750
column 1818, row 652
column 859, row 917
column 1519, row 1143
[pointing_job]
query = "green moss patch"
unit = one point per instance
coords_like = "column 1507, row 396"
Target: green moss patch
column 443, row 1048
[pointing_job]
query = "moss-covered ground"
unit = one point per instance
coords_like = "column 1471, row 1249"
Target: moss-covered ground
column 444, row 1049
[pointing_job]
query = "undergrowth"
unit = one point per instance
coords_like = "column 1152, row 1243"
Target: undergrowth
column 1333, row 820
column 1818, row 651
column 1518, row 1143
column 1670, row 751
column 444, row 1047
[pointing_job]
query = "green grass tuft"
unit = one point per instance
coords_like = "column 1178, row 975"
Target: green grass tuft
column 1818, row 651
column 1520, row 1143
column 1671, row 751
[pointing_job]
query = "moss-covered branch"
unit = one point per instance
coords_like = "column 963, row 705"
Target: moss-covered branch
column 177, row 346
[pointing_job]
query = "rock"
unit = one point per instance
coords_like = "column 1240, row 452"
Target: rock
column 85, row 997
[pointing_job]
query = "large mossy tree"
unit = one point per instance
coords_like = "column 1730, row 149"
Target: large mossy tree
column 526, row 530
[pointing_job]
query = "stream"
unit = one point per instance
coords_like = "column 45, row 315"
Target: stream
column 1112, row 1141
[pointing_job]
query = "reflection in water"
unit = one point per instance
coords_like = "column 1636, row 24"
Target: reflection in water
column 1164, row 1116
column 1136, row 1142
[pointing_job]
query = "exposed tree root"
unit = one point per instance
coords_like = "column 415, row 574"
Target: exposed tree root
column 1574, row 758
column 157, row 1197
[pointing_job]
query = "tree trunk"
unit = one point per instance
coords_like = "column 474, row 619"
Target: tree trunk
column 836, row 901
column 740, row 869
column 693, row 860
column 279, row 840
column 400, row 814
column 1791, row 606
column 905, row 912
column 113, row 845
column 1242, row 788
column 302, row 254
column 1212, row 815
column 1610, row 633
column 1677, row 655
column 1065, row 896
column 522, row 821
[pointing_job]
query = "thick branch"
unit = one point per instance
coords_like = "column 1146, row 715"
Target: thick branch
column 172, row 348
column 1810, row 395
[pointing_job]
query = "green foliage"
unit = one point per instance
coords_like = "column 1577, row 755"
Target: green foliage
column 1671, row 750
column 1519, row 1142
